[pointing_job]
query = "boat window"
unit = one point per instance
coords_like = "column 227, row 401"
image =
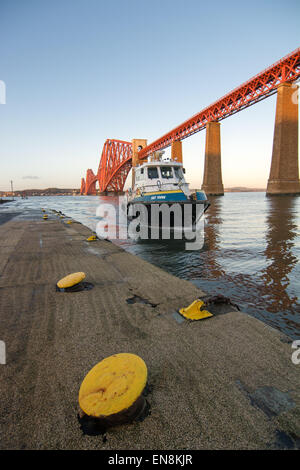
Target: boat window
column 152, row 172
column 166, row 172
column 178, row 172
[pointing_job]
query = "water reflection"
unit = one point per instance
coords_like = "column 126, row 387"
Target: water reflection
column 280, row 235
column 213, row 223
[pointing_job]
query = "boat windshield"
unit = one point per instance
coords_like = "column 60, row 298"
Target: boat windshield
column 152, row 172
column 166, row 172
column 178, row 172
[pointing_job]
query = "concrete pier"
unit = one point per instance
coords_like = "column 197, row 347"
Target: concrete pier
column 227, row 382
column 284, row 172
column 176, row 151
column 136, row 145
column 212, row 178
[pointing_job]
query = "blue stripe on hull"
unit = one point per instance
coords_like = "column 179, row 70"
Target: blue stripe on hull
column 201, row 196
column 163, row 197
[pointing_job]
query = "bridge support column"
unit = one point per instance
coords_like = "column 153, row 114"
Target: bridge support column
column 284, row 172
column 82, row 187
column 176, row 151
column 212, row 178
column 137, row 145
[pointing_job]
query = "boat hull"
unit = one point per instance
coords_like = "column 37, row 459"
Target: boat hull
column 171, row 216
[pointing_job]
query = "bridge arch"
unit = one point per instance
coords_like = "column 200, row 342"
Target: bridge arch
column 114, row 166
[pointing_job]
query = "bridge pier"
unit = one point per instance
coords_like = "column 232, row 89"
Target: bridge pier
column 137, row 145
column 82, row 186
column 284, row 172
column 176, row 151
column 212, row 178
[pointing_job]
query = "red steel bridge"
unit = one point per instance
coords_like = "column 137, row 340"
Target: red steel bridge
column 113, row 168
column 117, row 155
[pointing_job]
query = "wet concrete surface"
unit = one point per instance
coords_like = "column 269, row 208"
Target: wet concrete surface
column 6, row 216
column 227, row 382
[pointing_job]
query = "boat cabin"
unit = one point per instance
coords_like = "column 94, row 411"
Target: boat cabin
column 165, row 175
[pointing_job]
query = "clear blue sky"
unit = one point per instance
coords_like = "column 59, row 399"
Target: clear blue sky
column 80, row 71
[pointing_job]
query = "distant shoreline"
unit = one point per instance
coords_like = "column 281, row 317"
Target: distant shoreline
column 42, row 192
column 244, row 190
column 76, row 192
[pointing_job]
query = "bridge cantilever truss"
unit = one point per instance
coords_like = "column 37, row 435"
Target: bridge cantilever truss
column 114, row 166
column 259, row 87
column 116, row 156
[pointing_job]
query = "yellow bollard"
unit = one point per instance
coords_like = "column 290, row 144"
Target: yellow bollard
column 92, row 238
column 194, row 312
column 70, row 280
column 112, row 389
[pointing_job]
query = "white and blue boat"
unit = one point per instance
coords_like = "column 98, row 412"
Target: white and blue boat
column 160, row 181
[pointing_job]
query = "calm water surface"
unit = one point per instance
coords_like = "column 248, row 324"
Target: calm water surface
column 251, row 251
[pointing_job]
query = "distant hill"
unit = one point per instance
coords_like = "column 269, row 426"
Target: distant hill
column 43, row 192
column 242, row 189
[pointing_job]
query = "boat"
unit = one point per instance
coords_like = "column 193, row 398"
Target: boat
column 160, row 182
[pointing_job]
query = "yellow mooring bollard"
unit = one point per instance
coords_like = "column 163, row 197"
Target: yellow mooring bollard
column 92, row 238
column 194, row 312
column 70, row 280
column 112, row 391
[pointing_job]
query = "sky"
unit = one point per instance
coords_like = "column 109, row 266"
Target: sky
column 80, row 71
